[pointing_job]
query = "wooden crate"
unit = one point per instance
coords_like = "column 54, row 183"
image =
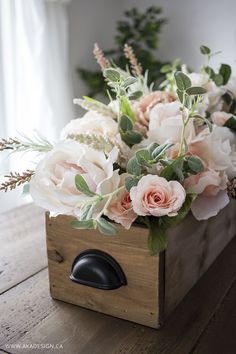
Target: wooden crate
column 155, row 284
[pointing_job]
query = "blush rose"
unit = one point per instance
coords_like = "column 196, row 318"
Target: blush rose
column 155, row 196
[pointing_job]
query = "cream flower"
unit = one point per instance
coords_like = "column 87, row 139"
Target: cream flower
column 155, row 196
column 121, row 209
column 211, row 189
column 212, row 100
column 91, row 123
column 53, row 185
column 217, row 150
column 145, row 104
column 166, row 124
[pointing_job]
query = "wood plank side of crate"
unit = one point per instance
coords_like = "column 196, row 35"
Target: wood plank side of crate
column 139, row 301
column 192, row 248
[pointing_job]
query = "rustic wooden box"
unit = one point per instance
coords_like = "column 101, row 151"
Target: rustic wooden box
column 155, row 284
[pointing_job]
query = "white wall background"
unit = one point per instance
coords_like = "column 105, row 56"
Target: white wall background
column 191, row 23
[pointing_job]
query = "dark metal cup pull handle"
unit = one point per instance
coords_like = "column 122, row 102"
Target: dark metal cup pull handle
column 97, row 269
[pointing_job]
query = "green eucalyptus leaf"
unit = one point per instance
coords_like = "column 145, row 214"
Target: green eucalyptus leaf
column 209, row 71
column 205, row 50
column 166, row 68
column 195, row 164
column 225, row 72
column 143, row 157
column 133, row 166
column 130, row 182
column 87, row 212
column 135, row 95
column 112, row 74
column 187, row 102
column 196, row 90
column 160, row 150
column 131, row 138
column 82, row 186
column 152, row 147
column 183, row 82
column 26, row 189
column 83, row 224
column 174, row 171
column 129, row 81
column 180, row 95
column 231, row 124
column 218, row 79
column 125, row 123
column 105, row 227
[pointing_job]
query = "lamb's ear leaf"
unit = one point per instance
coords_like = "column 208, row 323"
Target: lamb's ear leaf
column 111, row 74
column 133, row 166
column 82, row 186
column 83, row 224
column 183, row 82
column 130, row 182
column 105, row 227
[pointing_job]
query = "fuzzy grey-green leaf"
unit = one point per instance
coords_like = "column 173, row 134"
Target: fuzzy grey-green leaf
column 82, row 186
column 105, row 227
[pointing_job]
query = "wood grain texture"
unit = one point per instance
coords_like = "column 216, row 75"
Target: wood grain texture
column 82, row 331
column 213, row 339
column 138, row 301
column 22, row 245
column 192, row 248
column 24, row 306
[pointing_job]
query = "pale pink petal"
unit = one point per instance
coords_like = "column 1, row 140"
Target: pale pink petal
column 204, row 208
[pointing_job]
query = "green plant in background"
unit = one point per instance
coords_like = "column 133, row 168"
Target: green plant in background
column 141, row 31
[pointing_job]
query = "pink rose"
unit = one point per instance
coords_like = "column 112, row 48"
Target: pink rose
column 211, row 187
column 220, row 118
column 154, row 195
column 143, row 107
column 121, row 210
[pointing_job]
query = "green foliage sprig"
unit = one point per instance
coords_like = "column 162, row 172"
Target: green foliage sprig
column 141, row 31
column 221, row 77
column 24, row 143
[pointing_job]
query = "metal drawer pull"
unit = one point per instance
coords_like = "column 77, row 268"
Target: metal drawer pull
column 97, row 269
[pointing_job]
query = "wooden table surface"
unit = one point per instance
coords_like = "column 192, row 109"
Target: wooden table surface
column 204, row 323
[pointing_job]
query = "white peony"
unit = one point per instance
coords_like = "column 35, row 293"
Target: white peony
column 53, row 185
column 91, row 123
column 166, row 124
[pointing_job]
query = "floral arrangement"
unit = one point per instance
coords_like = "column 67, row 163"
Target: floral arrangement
column 147, row 157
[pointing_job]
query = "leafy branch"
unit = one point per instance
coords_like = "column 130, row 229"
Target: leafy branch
column 86, row 221
column 141, row 31
column 23, row 143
